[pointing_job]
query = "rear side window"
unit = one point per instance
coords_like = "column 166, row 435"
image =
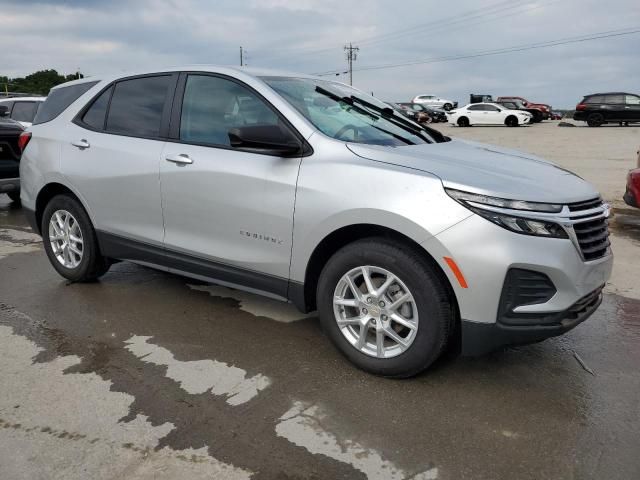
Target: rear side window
column 594, row 99
column 95, row 116
column 24, row 111
column 137, row 105
column 59, row 99
column 476, row 107
column 613, row 99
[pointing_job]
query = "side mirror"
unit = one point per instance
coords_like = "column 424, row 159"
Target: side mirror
column 265, row 139
column 4, row 111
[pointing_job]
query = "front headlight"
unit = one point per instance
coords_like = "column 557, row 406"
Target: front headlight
column 513, row 222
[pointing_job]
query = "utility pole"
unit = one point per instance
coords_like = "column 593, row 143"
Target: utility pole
column 352, row 54
column 241, row 57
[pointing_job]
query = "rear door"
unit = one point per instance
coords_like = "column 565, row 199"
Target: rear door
column 112, row 156
column 228, row 212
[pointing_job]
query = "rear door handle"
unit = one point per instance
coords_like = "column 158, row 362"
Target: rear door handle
column 81, row 144
column 180, row 159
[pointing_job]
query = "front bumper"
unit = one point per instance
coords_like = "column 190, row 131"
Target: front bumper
column 485, row 253
column 480, row 338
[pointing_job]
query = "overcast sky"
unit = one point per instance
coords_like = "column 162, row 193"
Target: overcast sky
column 309, row 35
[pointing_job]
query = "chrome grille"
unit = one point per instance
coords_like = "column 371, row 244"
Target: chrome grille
column 592, row 234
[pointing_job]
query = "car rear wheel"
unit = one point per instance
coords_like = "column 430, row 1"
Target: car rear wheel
column 384, row 307
column 595, row 120
column 447, row 106
column 70, row 240
column 14, row 196
column 463, row 122
column 511, row 121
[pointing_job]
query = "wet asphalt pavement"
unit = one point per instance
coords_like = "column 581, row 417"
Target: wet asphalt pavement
column 151, row 375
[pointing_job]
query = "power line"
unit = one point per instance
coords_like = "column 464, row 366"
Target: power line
column 518, row 48
column 442, row 22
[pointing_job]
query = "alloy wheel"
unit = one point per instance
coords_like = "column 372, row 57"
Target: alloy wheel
column 66, row 239
column 375, row 311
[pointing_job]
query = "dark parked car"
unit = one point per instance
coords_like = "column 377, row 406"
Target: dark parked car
column 10, row 132
column 436, row 114
column 418, row 114
column 614, row 107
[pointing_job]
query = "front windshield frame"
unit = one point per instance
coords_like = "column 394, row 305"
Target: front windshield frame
column 332, row 106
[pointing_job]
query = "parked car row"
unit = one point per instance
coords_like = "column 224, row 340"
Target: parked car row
column 420, row 113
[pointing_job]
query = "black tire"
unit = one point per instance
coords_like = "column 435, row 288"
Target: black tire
column 537, row 117
column 92, row 265
column 447, row 107
column 14, row 196
column 463, row 122
column 435, row 309
column 511, row 121
column 595, row 120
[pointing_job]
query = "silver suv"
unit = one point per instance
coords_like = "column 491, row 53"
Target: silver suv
column 407, row 242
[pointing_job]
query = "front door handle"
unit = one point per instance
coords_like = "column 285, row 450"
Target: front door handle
column 81, row 144
column 180, row 159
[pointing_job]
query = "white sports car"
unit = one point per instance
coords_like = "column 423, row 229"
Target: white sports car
column 488, row 114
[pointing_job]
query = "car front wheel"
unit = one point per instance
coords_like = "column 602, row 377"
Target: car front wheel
column 384, row 307
column 70, row 240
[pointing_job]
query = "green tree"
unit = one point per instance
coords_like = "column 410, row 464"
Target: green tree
column 38, row 83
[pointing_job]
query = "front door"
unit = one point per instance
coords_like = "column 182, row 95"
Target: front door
column 632, row 108
column 228, row 213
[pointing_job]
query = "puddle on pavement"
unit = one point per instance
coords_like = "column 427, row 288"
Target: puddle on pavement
column 18, row 241
column 200, row 376
column 255, row 304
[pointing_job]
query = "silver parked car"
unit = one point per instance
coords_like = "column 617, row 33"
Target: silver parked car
column 407, row 242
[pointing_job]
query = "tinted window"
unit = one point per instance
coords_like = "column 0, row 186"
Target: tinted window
column 24, row 111
column 59, row 99
column 94, row 117
column 476, row 107
column 212, row 106
column 491, row 108
column 632, row 100
column 594, row 99
column 615, row 99
column 137, row 104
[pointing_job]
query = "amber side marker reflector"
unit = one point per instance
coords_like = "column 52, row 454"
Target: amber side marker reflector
column 456, row 271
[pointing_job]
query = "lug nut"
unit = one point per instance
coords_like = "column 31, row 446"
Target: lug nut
column 381, row 304
column 384, row 317
column 364, row 311
column 368, row 299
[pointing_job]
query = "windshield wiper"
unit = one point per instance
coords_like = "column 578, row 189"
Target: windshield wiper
column 386, row 113
column 389, row 114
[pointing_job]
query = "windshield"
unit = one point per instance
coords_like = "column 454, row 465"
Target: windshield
column 347, row 114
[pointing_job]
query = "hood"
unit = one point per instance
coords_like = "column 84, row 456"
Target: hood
column 486, row 169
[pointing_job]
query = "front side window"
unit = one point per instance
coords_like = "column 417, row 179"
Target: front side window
column 632, row 100
column 137, row 105
column 212, row 106
column 24, row 111
column 344, row 113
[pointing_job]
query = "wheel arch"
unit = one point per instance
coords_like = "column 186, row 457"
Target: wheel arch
column 49, row 191
column 303, row 294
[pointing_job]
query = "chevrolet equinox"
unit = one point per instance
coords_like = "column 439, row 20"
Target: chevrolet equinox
column 405, row 241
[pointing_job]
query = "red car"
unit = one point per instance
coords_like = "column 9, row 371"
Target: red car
column 632, row 195
column 544, row 108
